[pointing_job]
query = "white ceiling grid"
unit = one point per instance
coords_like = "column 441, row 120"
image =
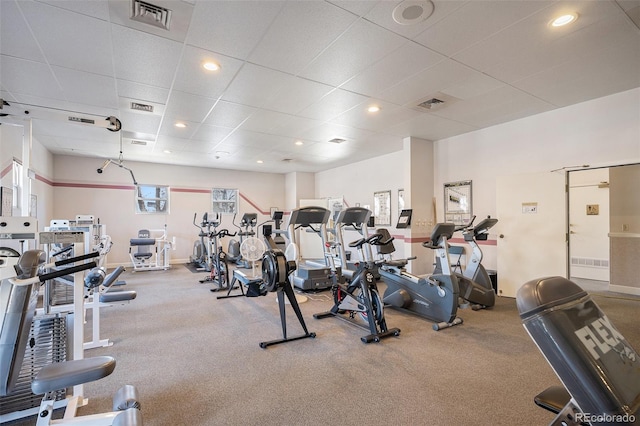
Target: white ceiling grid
column 304, row 71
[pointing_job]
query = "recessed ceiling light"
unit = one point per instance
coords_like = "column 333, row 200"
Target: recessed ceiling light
column 222, row 153
column 211, row 66
column 166, row 151
column 299, row 143
column 565, row 19
column 180, row 125
column 259, row 161
column 374, row 108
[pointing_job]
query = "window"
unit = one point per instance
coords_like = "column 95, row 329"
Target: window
column 152, row 199
column 224, row 200
column 17, row 185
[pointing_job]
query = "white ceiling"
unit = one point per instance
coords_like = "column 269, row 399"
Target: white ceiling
column 303, row 71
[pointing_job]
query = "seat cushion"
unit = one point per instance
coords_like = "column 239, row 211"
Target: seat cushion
column 60, row 375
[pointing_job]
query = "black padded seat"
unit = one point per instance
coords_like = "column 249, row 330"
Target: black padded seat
column 117, row 296
column 65, row 374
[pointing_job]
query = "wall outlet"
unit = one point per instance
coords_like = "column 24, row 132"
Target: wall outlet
column 625, row 227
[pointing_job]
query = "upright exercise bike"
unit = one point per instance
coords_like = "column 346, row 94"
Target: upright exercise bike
column 217, row 259
column 474, row 282
column 435, row 296
column 360, row 296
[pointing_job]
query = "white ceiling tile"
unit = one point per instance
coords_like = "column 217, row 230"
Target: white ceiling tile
column 256, row 86
column 595, row 38
column 360, row 46
column 188, row 107
column 389, row 115
column 30, row 78
column 475, row 21
column 297, row 94
column 193, row 78
column 444, row 74
column 134, row 122
column 587, row 76
column 498, row 106
column 87, row 88
column 333, row 104
column 409, row 59
column 430, row 127
column 474, row 85
column 301, row 31
column 357, row 7
column 57, row 30
column 142, row 92
column 264, row 120
column 94, row 8
column 15, row 38
column 144, row 58
column 532, row 45
column 211, row 134
column 232, row 28
column 229, row 114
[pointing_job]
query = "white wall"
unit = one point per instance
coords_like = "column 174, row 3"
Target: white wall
column 110, row 197
column 604, row 131
column 358, row 181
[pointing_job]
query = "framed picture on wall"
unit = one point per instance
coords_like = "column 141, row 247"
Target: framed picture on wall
column 382, row 208
column 457, row 202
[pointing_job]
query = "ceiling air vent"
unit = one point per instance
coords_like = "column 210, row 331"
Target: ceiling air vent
column 136, row 142
column 337, row 140
column 150, row 14
column 430, row 103
column 287, row 160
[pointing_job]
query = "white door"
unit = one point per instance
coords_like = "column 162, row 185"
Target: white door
column 532, row 242
column 589, row 226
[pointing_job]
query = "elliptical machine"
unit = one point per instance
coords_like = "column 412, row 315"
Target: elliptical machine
column 474, row 282
column 249, row 220
column 435, row 296
column 200, row 253
column 360, row 296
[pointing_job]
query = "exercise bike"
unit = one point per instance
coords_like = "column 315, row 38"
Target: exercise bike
column 435, row 296
column 217, row 261
column 474, row 282
column 360, row 296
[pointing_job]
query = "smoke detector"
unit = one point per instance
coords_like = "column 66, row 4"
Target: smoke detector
column 411, row 12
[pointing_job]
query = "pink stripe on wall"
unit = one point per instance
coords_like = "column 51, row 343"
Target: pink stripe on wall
column 91, row 186
column 6, row 170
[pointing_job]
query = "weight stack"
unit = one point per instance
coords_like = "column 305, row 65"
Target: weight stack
column 47, row 344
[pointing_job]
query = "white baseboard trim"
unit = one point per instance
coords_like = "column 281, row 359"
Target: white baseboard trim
column 625, row 289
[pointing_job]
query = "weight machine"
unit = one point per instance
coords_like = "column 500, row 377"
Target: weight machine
column 151, row 250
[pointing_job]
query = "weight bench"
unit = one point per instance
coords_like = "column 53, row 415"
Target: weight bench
column 599, row 369
column 18, row 300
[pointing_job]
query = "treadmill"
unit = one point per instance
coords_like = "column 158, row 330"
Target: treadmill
column 311, row 275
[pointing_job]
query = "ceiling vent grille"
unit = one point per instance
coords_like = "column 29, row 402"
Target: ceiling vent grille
column 431, row 103
column 337, row 140
column 137, row 142
column 150, row 14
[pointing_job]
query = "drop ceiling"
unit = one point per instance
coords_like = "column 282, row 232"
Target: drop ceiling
column 303, row 71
